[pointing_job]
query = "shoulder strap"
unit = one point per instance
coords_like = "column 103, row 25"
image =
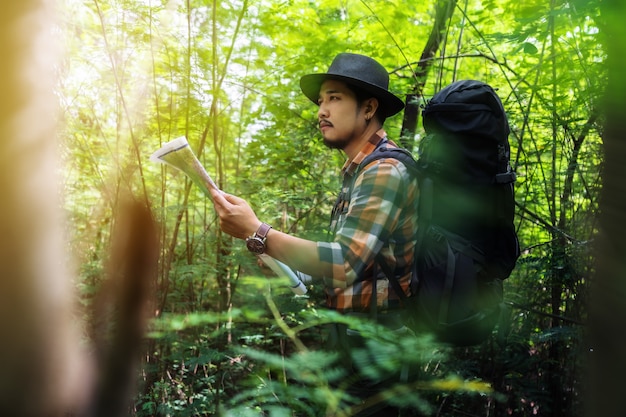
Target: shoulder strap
column 384, row 151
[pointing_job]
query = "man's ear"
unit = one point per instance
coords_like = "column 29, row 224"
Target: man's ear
column 371, row 105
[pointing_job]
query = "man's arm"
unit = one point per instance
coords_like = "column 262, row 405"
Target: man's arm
column 239, row 220
column 300, row 254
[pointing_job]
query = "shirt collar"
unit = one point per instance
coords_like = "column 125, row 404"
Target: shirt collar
column 351, row 165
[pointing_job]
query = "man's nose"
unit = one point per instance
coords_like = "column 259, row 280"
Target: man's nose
column 322, row 112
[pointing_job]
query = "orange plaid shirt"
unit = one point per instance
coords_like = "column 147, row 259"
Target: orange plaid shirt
column 380, row 216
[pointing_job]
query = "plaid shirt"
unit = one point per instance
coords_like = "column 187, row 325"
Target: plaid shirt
column 379, row 217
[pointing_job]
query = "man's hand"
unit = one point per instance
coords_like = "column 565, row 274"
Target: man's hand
column 236, row 216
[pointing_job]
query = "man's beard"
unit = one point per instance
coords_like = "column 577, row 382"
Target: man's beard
column 336, row 144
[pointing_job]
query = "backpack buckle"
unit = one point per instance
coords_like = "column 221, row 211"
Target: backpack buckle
column 506, row 177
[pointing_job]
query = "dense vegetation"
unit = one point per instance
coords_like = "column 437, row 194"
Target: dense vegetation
column 225, row 75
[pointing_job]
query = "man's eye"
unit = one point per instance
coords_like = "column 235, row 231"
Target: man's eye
column 327, row 98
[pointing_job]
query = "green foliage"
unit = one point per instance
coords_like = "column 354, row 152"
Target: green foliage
column 302, row 382
column 138, row 74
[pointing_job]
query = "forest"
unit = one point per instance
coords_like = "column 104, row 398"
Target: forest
column 225, row 337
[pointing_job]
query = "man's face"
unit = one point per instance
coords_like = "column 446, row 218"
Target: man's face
column 340, row 117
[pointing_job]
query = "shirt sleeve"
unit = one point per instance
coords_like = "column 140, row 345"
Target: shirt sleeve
column 373, row 212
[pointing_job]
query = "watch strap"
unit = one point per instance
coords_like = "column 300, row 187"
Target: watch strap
column 263, row 230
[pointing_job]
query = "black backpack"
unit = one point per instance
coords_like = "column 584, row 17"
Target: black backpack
column 466, row 239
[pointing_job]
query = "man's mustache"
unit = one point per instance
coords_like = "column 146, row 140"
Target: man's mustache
column 324, row 122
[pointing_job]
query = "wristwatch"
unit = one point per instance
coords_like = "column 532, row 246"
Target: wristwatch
column 256, row 242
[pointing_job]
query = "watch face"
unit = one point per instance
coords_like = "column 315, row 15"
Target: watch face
column 255, row 245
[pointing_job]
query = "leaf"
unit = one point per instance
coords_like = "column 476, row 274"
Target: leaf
column 457, row 384
column 529, row 48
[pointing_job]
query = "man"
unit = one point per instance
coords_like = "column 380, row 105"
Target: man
column 373, row 223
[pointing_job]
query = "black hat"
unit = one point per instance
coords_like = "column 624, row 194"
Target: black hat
column 359, row 71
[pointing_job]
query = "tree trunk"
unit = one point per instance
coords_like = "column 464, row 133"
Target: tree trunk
column 607, row 383
column 44, row 370
column 443, row 11
column 38, row 355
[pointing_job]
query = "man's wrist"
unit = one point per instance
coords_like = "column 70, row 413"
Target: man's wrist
column 256, row 243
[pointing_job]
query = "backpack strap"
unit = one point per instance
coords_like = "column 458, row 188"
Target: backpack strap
column 391, row 278
column 384, row 151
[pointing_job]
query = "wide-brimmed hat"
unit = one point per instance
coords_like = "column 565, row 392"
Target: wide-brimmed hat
column 359, row 71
